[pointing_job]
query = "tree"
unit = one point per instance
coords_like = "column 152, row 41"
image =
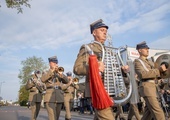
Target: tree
column 29, row 65
column 17, row 4
column 23, row 96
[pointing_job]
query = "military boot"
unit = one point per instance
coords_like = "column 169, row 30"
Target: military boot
column 67, row 118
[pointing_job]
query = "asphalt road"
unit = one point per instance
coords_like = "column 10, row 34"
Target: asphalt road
column 23, row 113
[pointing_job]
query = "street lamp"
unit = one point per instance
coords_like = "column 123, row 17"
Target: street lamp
column 1, row 86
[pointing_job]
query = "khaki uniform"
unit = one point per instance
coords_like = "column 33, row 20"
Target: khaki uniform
column 54, row 96
column 119, row 113
column 68, row 98
column 133, row 110
column 147, row 89
column 35, row 98
column 81, row 68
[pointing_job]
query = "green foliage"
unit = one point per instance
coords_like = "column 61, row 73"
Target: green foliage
column 1, row 103
column 29, row 65
column 23, row 96
column 17, row 4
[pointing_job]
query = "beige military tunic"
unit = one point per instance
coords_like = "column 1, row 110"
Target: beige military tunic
column 35, row 98
column 81, row 68
column 148, row 90
column 81, row 64
column 54, row 96
column 69, row 92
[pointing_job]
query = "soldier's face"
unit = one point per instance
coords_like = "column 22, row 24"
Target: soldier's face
column 69, row 77
column 53, row 65
column 100, row 34
column 144, row 52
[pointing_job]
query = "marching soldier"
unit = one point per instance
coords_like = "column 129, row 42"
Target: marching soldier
column 148, row 76
column 35, row 88
column 54, row 80
column 133, row 109
column 69, row 91
column 99, row 32
column 119, row 113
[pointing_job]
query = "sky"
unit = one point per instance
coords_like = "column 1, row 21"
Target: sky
column 60, row 27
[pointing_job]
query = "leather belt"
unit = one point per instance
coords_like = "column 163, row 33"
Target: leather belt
column 69, row 92
column 32, row 90
column 148, row 80
column 53, row 87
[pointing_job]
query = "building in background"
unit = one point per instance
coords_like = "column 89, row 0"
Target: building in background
column 132, row 53
column 158, row 56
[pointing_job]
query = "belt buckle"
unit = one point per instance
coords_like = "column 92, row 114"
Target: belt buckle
column 37, row 91
column 55, row 87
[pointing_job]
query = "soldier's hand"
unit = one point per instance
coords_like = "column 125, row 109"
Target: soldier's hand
column 101, row 66
column 163, row 68
column 38, row 83
column 71, row 81
column 60, row 74
column 34, row 80
column 125, row 69
column 53, row 68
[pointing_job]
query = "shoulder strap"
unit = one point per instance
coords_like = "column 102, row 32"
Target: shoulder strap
column 89, row 50
column 143, row 64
